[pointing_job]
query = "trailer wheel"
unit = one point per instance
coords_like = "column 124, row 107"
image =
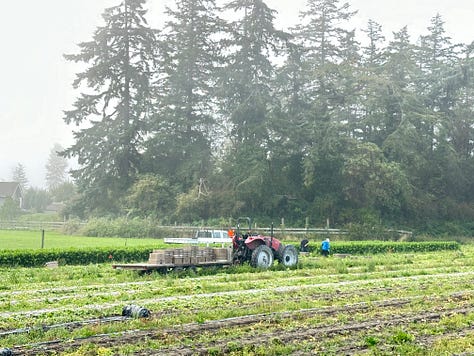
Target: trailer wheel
column 289, row 256
column 262, row 257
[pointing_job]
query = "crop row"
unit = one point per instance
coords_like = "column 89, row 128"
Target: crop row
column 76, row 282
column 221, row 303
column 280, row 326
column 88, row 298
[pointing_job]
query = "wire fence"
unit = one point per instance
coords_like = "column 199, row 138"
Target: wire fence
column 182, row 229
column 33, row 225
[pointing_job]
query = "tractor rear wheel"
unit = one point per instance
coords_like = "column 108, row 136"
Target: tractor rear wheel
column 262, row 257
column 288, row 256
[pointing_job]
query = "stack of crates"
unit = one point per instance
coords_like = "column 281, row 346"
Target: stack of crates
column 221, row 254
column 194, row 255
column 160, row 257
column 188, row 256
column 208, row 255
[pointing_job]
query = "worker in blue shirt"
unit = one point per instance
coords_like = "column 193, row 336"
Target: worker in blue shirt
column 325, row 248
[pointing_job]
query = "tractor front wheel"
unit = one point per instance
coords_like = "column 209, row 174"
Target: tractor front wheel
column 288, row 256
column 262, row 257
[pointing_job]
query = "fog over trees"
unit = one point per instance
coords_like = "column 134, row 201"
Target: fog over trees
column 218, row 113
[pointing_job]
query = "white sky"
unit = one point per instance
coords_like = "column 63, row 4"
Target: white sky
column 35, row 80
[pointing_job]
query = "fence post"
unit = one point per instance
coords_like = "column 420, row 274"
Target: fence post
column 42, row 238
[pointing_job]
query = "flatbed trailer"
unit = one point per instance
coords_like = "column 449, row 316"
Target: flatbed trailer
column 147, row 267
column 181, row 258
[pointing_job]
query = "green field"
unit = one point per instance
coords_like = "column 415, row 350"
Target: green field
column 384, row 304
column 15, row 240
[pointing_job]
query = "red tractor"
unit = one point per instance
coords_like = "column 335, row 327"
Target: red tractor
column 261, row 250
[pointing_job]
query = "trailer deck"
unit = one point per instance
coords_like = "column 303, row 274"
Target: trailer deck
column 158, row 267
column 181, row 258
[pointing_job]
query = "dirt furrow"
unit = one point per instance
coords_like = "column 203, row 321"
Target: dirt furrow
column 304, row 334
column 197, row 328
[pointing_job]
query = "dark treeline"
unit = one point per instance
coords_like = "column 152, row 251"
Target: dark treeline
column 220, row 114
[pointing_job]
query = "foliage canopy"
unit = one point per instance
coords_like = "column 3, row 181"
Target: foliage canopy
column 218, row 116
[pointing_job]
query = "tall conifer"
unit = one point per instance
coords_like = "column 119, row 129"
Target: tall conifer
column 112, row 110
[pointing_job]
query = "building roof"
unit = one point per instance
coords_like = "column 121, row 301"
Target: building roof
column 8, row 189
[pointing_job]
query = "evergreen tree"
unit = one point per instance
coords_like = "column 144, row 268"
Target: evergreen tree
column 326, row 44
column 373, row 86
column 248, row 101
column 436, row 48
column 183, row 128
column 19, row 176
column 288, row 126
column 404, row 133
column 37, row 200
column 63, row 192
column 437, row 57
column 459, row 133
column 321, row 34
column 373, row 51
column 444, row 84
column 461, row 129
column 401, row 65
column 289, row 85
column 347, row 86
column 402, row 71
column 112, row 112
column 246, row 78
column 56, row 168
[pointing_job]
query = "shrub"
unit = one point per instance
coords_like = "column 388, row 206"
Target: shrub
column 123, row 227
column 71, row 227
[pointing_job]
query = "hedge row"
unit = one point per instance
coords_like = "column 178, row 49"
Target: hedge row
column 36, row 258
column 375, row 247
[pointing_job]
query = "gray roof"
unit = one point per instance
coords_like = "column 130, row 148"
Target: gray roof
column 8, row 189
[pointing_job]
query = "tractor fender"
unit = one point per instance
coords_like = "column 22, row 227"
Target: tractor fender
column 252, row 242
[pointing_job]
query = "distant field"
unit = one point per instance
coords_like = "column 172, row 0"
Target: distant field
column 14, row 240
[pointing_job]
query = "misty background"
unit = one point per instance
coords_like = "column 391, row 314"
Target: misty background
column 36, row 80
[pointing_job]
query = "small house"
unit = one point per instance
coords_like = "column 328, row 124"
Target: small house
column 11, row 190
